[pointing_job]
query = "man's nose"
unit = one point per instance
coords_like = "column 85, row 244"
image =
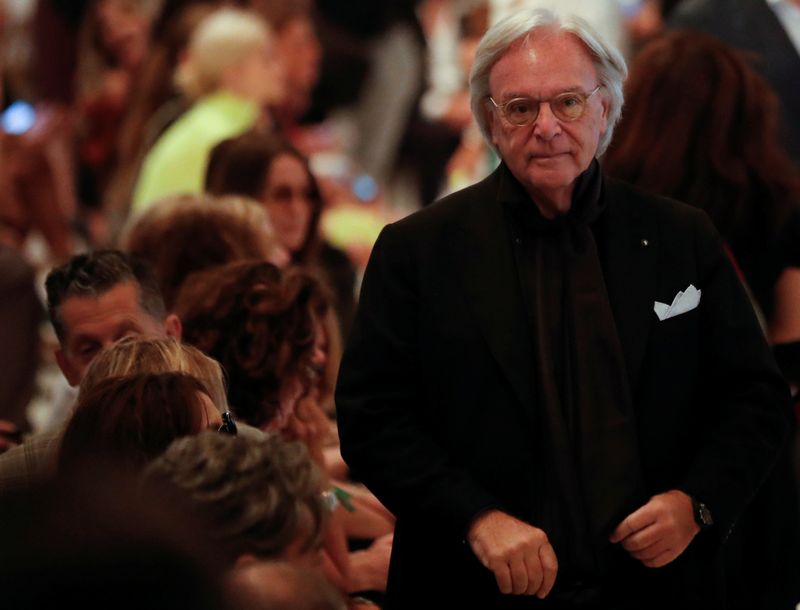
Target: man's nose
column 546, row 126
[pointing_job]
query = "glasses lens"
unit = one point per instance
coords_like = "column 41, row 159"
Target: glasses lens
column 228, row 425
column 521, row 111
column 568, row 106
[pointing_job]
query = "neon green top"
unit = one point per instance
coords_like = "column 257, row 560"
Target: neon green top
column 177, row 162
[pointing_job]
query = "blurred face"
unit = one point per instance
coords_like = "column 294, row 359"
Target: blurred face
column 93, row 324
column 124, row 30
column 287, row 197
column 301, row 52
column 260, row 75
column 549, row 154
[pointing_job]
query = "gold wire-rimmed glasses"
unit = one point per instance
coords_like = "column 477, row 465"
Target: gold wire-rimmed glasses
column 568, row 106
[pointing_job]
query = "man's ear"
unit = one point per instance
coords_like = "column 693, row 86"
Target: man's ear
column 606, row 104
column 173, row 326
column 69, row 371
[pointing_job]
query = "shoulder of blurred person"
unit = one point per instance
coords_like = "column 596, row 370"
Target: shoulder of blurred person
column 95, row 539
column 280, row 585
column 35, row 460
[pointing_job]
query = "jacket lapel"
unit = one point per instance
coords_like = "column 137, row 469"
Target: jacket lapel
column 630, row 243
column 481, row 251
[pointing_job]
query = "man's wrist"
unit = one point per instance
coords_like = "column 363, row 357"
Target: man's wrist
column 701, row 513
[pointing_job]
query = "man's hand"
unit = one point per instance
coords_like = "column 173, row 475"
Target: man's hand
column 519, row 555
column 660, row 530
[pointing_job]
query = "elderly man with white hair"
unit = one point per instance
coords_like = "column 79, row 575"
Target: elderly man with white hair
column 554, row 381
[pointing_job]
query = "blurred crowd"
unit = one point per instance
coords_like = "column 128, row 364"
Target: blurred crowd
column 201, row 182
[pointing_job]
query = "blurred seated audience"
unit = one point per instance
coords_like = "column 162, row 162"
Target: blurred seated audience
column 38, row 193
column 269, row 170
column 113, row 44
column 93, row 300
column 301, row 53
column 232, row 72
column 95, row 540
column 132, row 419
column 267, row 329
column 36, row 458
column 187, row 233
column 154, row 104
column 259, row 499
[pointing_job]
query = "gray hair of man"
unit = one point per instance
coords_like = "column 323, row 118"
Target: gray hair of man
column 608, row 61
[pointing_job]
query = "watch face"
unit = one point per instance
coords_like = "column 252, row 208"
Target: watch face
column 704, row 515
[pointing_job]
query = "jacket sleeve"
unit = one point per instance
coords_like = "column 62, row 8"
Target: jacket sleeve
column 745, row 404
column 380, row 400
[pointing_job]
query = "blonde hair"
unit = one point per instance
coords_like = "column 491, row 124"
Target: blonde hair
column 224, row 38
column 137, row 355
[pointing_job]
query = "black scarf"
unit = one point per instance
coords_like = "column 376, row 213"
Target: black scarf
column 588, row 452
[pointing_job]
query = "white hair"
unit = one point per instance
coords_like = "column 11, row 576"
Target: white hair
column 223, row 39
column 608, row 61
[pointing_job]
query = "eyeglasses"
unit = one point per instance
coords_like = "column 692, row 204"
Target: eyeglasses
column 568, row 106
column 228, row 425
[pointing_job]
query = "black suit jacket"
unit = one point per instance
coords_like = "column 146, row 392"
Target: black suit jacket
column 752, row 25
column 435, row 400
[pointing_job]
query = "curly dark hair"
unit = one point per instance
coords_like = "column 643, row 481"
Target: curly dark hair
column 258, row 322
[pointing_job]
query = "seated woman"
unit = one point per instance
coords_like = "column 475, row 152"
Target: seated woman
column 187, row 233
column 269, row 170
column 265, row 326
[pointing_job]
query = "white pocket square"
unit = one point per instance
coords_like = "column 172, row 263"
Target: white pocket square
column 683, row 302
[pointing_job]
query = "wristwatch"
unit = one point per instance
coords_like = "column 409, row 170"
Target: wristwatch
column 702, row 514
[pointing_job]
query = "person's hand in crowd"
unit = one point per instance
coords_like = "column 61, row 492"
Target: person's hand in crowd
column 659, row 531
column 369, row 569
column 520, row 555
column 9, row 436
